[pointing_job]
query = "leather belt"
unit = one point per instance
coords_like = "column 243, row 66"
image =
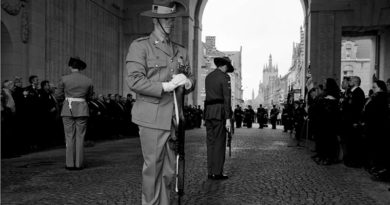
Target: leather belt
column 70, row 100
column 213, row 102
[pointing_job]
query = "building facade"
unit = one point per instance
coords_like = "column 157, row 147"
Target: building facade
column 356, row 61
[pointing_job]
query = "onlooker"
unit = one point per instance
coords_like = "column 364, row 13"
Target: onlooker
column 344, row 101
column 48, row 116
column 299, row 119
column 8, row 135
column 32, row 114
column 353, row 129
column 375, row 122
column 328, row 124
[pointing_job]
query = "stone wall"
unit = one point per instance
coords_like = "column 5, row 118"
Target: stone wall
column 57, row 30
column 84, row 29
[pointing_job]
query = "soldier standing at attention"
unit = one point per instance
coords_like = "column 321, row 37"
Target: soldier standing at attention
column 217, row 116
column 153, row 64
column 76, row 89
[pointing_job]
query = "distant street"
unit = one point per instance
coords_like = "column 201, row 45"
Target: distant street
column 262, row 170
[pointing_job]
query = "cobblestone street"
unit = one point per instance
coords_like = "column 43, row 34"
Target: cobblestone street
column 262, row 170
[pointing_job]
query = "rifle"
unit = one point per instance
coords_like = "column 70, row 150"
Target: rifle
column 178, row 96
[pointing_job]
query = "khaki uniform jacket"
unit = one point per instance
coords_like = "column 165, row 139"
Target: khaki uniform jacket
column 150, row 62
column 218, row 89
column 75, row 85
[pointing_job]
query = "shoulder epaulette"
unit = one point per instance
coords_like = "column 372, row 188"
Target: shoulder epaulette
column 142, row 38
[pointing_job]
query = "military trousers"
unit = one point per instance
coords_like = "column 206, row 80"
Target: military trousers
column 75, row 129
column 216, row 145
column 159, row 165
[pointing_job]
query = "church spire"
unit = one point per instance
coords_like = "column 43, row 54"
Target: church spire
column 270, row 61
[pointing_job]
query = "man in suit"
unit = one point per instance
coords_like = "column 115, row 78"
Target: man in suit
column 217, row 116
column 31, row 115
column 49, row 114
column 353, row 108
column 154, row 64
column 75, row 89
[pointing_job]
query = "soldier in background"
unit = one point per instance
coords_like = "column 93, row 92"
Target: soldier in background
column 217, row 116
column 75, row 89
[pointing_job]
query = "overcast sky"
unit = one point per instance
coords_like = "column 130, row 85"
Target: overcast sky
column 261, row 27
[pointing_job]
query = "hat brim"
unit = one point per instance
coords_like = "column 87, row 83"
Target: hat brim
column 221, row 62
column 77, row 64
column 154, row 15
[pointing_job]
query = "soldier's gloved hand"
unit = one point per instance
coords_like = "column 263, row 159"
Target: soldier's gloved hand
column 188, row 84
column 179, row 79
column 168, row 86
column 228, row 125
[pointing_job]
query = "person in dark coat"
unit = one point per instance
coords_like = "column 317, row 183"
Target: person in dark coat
column 249, row 116
column 260, row 116
column 9, row 137
column 75, row 89
column 199, row 114
column 274, row 116
column 298, row 118
column 375, row 118
column 352, row 111
column 48, row 115
column 328, row 124
column 286, row 117
column 217, row 116
column 238, row 116
column 344, row 100
column 32, row 114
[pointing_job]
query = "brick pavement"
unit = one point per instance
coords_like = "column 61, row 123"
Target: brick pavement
column 262, row 170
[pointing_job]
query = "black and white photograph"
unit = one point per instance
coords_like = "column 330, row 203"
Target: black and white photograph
column 195, row 102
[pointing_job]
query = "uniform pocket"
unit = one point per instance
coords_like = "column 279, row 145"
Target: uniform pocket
column 154, row 67
column 148, row 99
column 145, row 110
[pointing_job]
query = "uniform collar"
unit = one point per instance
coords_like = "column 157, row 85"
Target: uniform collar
column 170, row 49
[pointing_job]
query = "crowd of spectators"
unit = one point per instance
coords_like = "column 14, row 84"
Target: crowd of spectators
column 346, row 125
column 193, row 116
column 31, row 121
column 30, row 117
column 349, row 127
